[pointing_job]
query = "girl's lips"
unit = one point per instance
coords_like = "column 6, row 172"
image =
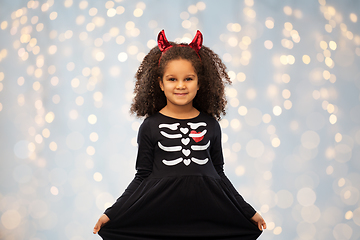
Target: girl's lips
column 180, row 94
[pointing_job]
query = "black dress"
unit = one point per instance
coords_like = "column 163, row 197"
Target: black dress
column 180, row 190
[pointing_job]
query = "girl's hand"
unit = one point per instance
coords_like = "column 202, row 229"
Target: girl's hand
column 259, row 221
column 102, row 220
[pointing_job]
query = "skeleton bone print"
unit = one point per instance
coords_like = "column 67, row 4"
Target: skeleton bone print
column 185, row 134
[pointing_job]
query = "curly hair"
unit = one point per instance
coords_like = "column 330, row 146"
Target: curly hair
column 211, row 72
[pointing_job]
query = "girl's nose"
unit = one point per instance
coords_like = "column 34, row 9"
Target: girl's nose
column 180, row 84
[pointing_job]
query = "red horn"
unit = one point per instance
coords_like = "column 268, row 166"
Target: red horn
column 197, row 41
column 163, row 43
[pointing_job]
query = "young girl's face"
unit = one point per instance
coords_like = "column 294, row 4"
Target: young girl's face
column 179, row 83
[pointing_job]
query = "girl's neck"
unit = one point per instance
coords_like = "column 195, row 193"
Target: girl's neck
column 180, row 113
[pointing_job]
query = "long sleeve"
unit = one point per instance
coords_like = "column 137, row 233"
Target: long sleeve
column 144, row 165
column 218, row 161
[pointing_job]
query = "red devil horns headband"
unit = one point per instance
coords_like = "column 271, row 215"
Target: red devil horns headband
column 164, row 44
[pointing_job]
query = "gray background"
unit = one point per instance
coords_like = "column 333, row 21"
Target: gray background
column 59, row 169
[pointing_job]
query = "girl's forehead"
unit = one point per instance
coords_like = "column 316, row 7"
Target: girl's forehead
column 178, row 65
column 178, row 61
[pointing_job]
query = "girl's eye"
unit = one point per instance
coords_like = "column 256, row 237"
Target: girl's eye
column 172, row 79
column 188, row 79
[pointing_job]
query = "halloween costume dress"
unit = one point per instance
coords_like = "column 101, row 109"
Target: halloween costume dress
column 180, row 190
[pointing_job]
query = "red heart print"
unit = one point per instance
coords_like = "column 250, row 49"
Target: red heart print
column 196, row 139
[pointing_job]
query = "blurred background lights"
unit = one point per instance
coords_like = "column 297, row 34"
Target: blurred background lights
column 234, row 102
column 277, row 110
column 348, row 215
column 306, row 230
column 255, row 148
column 269, row 23
column 306, row 197
column 38, row 209
column 253, row 116
column 310, row 214
column 138, row 12
column 277, row 230
column 99, row 56
column 135, row 126
column 97, row 177
column 264, row 209
column 46, row 132
column 104, row 200
column 11, row 219
column 266, row 118
column 83, row 4
column 111, row 12
column 122, row 57
column 342, row 231
column 251, row 94
column 310, row 139
column 285, row 199
column 353, row 17
column 232, row 75
column 240, row 170
column 53, row 146
column 235, row 124
column 73, row 114
column 287, row 10
column 306, row 59
column 332, row 119
column 94, row 137
column 268, row 44
column 224, row 123
column 92, row 119
column 290, row 138
column 275, row 142
column 356, row 216
column 21, row 150
column 54, row 190
column 90, row 150
column 49, row 117
column 267, row 175
column 270, row 225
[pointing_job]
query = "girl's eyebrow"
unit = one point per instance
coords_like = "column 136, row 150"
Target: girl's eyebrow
column 188, row 75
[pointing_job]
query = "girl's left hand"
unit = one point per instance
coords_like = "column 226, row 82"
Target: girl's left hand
column 101, row 222
column 259, row 221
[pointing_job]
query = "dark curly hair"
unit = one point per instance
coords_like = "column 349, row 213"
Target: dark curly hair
column 211, row 72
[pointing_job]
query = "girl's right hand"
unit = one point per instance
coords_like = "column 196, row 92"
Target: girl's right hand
column 102, row 220
column 259, row 221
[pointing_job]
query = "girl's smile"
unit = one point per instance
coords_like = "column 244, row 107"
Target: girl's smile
column 180, row 93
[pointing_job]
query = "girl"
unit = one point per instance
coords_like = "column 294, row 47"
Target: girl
column 180, row 190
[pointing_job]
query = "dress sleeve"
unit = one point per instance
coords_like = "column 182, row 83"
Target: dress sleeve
column 218, row 161
column 144, row 165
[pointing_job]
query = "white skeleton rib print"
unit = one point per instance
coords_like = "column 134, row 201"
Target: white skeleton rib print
column 183, row 149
